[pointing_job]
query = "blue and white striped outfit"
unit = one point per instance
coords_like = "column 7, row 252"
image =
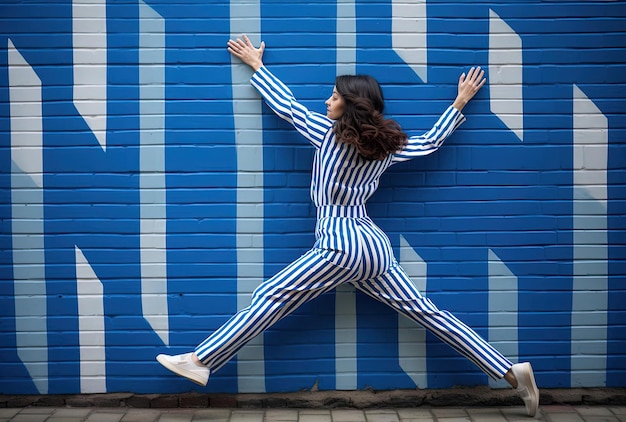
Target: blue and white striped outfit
column 349, row 247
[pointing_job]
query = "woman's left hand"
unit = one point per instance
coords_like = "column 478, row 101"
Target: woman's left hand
column 248, row 54
column 468, row 86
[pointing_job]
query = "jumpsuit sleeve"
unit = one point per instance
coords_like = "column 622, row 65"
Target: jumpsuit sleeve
column 279, row 98
column 430, row 141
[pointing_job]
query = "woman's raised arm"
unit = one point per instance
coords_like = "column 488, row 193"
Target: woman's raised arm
column 277, row 95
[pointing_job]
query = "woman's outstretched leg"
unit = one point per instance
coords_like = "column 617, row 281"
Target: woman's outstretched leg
column 301, row 281
column 397, row 290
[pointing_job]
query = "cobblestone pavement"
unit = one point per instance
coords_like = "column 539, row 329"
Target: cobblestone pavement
column 437, row 414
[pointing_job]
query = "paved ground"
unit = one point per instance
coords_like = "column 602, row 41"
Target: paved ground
column 552, row 413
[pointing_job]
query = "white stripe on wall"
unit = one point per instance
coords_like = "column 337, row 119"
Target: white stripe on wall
column 590, row 283
column 345, row 295
column 27, row 218
column 89, row 38
column 91, row 337
column 412, row 336
column 245, row 18
column 505, row 74
column 409, row 34
column 503, row 312
column 152, row 193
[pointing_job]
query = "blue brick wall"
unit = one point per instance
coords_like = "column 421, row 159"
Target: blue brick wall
column 146, row 191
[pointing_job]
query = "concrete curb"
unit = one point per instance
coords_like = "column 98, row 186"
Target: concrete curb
column 362, row 399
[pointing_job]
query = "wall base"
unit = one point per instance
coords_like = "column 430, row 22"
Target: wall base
column 474, row 396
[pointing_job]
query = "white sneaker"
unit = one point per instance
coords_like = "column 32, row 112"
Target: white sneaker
column 526, row 386
column 184, row 366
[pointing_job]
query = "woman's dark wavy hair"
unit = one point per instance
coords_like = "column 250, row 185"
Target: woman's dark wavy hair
column 362, row 123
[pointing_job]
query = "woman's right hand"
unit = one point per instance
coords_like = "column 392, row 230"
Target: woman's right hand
column 244, row 50
column 469, row 86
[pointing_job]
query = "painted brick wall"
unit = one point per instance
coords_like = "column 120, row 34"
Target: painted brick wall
column 146, row 190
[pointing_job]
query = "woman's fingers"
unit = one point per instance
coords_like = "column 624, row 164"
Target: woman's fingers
column 475, row 74
column 247, row 41
column 242, row 46
column 243, row 49
column 481, row 77
column 475, row 78
column 238, row 48
column 234, row 46
column 483, row 80
column 470, row 74
column 237, row 44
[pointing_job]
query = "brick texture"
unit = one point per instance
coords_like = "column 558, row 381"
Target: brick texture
column 145, row 191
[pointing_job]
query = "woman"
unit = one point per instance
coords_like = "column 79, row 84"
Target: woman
column 354, row 145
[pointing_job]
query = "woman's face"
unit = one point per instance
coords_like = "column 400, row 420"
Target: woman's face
column 334, row 106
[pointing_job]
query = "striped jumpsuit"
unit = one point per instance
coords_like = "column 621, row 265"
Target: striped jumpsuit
column 349, row 247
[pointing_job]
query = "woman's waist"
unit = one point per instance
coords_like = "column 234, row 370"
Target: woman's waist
column 348, row 211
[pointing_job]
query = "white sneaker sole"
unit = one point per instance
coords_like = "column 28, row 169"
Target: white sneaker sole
column 182, row 372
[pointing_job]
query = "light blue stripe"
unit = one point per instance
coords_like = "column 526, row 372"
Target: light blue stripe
column 411, row 336
column 590, row 237
column 91, row 327
column 503, row 311
column 506, row 74
column 346, row 37
column 152, row 195
column 345, row 298
column 27, row 218
column 409, row 34
column 245, row 17
column 89, row 50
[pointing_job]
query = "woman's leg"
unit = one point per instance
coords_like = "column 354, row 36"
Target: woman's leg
column 397, row 290
column 303, row 280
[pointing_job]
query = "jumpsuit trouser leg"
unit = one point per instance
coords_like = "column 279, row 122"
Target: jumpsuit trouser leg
column 301, row 281
column 396, row 289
